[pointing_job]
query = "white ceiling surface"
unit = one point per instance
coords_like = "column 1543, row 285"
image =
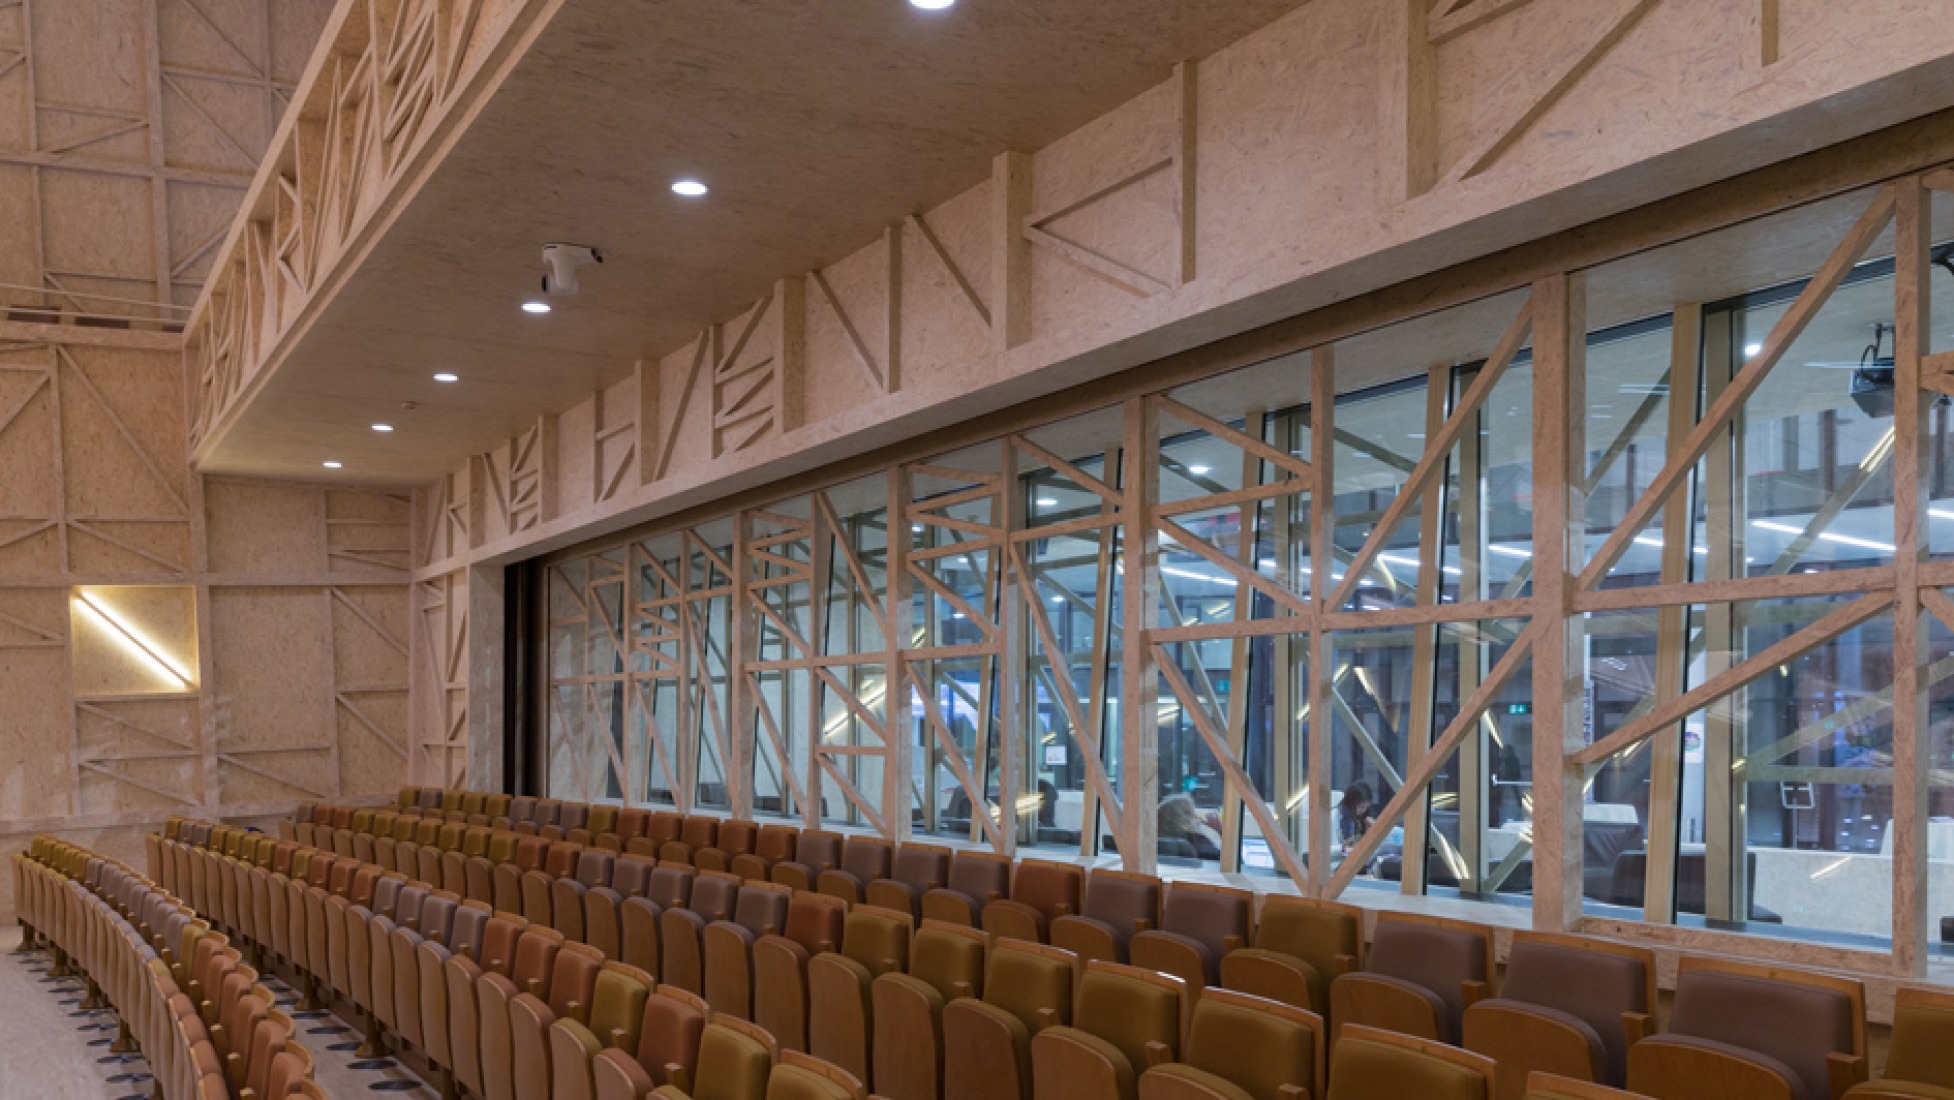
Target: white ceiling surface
column 816, row 124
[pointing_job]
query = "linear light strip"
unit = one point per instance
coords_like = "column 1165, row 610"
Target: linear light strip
column 133, row 639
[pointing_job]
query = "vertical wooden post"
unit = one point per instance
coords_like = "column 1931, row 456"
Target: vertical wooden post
column 1723, row 536
column 1672, row 628
column 1139, row 604
column 1187, row 84
column 1256, row 423
column 820, row 556
column 892, row 345
column 1473, row 773
column 1017, row 765
column 690, row 737
column 899, row 754
column 790, row 353
column 1322, row 552
column 737, row 768
column 1559, row 523
column 1011, row 253
column 1911, row 343
column 486, row 606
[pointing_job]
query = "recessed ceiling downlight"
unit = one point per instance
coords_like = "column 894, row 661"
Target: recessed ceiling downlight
column 447, row 376
column 691, row 189
column 383, row 427
column 535, row 307
column 331, row 465
column 931, row 5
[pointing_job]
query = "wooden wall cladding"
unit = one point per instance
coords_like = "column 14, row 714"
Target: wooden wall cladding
column 129, row 134
column 286, row 606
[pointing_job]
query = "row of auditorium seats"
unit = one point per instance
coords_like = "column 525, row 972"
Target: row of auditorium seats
column 184, row 996
column 1423, row 977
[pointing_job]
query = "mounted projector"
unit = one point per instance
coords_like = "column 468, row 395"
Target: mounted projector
column 563, row 261
column 1872, row 378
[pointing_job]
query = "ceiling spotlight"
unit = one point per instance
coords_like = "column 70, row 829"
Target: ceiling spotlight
column 383, row 427
column 691, row 189
column 535, row 307
column 1752, row 349
column 1197, row 471
column 445, row 376
column 1047, row 502
column 931, row 5
column 330, row 464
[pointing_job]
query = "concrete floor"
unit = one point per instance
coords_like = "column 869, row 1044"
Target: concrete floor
column 51, row 1051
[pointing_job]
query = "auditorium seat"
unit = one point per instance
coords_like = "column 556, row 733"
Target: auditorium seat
column 813, row 925
column 799, row 1077
column 681, row 930
column 976, row 880
column 774, row 844
column 1546, row 1086
column 1199, row 925
column 1920, row 1056
column 727, row 946
column 735, row 1060
column 614, row 1020
column 1742, row 1031
column 1369, row 1063
column 734, row 839
column 914, row 870
column 1041, row 892
column 1242, row 1047
column 1301, row 945
column 946, row 961
column 1569, row 1006
column 873, row 941
column 863, row 860
column 815, row 852
column 1116, row 905
column 1126, row 1020
column 1418, row 977
column 987, row 1040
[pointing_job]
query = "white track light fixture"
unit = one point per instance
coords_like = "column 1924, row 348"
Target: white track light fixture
column 563, row 261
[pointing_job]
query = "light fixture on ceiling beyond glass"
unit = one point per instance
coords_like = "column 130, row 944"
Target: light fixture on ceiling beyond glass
column 1752, row 349
column 383, row 427
column 690, row 189
column 1197, row 471
column 535, row 307
column 447, row 376
column 1047, row 502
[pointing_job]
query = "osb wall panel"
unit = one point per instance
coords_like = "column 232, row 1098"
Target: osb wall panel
column 129, row 133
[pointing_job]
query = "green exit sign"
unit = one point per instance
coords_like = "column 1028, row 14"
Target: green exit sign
column 1519, row 708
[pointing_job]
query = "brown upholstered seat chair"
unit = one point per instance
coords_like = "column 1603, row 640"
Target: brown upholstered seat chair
column 780, row 992
column 1740, row 1030
column 614, row 1020
column 735, row 1060
column 976, row 880
column 735, row 839
column 1373, row 1064
column 1918, row 1061
column 774, row 844
column 1418, row 977
column 681, row 931
column 1546, row 1086
column 873, row 941
column 727, row 945
column 695, row 833
column 1301, row 945
column 1117, row 905
column 1041, row 892
column 815, row 852
column 1569, row 1006
column 800, row 1077
column 1244, row 1048
column 863, row 860
column 987, row 1042
column 1199, row 925
column 946, row 961
column 915, row 870
column 1126, row 1020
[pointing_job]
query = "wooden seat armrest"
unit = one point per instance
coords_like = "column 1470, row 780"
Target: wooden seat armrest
column 1047, row 1017
column 1846, row 1070
column 1158, row 1054
column 962, row 989
column 1475, row 992
column 575, row 1011
column 1343, row 964
column 534, row 988
column 679, row 1079
column 1062, row 909
column 1142, row 924
column 618, row 1036
column 1292, row 1092
column 1637, row 1026
column 1232, row 943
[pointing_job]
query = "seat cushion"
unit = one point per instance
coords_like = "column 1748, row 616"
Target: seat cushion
column 1176, row 1081
column 1068, row 1062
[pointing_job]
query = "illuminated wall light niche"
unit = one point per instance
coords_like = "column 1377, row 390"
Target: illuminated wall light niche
column 133, row 640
